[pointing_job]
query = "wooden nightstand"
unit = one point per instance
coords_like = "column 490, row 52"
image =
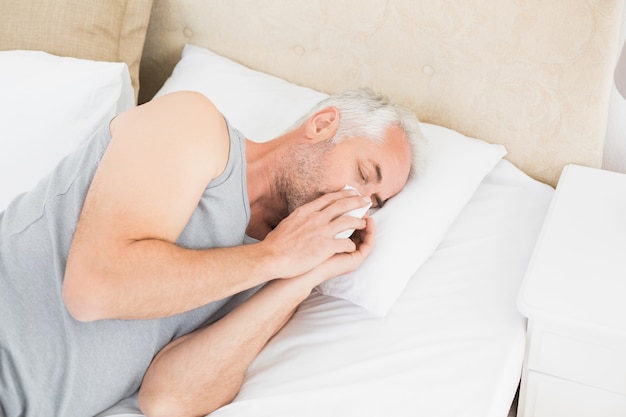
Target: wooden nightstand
column 574, row 296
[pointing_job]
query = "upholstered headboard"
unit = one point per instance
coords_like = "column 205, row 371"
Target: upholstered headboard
column 532, row 75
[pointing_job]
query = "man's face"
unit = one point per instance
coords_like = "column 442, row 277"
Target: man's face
column 377, row 170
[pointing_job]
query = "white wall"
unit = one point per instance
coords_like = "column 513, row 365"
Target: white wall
column 615, row 142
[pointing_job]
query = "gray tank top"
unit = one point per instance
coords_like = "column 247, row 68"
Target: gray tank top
column 52, row 365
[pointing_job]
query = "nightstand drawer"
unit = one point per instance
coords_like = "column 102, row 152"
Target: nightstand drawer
column 548, row 396
column 588, row 359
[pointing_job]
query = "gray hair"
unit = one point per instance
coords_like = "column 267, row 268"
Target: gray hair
column 368, row 114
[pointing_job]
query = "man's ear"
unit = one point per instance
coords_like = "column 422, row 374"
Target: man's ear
column 323, row 124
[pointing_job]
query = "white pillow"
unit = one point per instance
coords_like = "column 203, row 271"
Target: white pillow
column 48, row 105
column 412, row 223
column 259, row 105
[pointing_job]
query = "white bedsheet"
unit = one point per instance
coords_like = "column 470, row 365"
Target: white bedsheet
column 452, row 345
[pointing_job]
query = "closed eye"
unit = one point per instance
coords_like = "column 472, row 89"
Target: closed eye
column 362, row 174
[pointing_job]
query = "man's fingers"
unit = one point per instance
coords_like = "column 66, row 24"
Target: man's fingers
column 328, row 199
column 367, row 236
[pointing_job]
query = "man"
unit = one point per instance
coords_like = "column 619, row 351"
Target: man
column 130, row 256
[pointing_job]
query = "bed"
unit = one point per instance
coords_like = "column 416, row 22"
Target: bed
column 509, row 92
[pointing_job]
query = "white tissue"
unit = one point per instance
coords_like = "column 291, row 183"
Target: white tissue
column 358, row 212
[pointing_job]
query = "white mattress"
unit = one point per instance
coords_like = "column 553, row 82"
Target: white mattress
column 452, row 345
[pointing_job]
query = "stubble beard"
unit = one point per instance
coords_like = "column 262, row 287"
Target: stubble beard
column 303, row 175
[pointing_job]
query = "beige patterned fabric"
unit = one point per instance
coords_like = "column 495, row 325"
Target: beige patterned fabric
column 102, row 30
column 532, row 75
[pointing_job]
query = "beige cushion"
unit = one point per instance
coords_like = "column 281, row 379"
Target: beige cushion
column 111, row 30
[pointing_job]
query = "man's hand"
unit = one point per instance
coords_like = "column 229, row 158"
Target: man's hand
column 346, row 262
column 306, row 238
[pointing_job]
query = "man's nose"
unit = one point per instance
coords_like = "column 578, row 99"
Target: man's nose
column 370, row 191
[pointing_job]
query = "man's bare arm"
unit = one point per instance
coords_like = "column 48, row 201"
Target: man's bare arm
column 124, row 263
column 204, row 370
